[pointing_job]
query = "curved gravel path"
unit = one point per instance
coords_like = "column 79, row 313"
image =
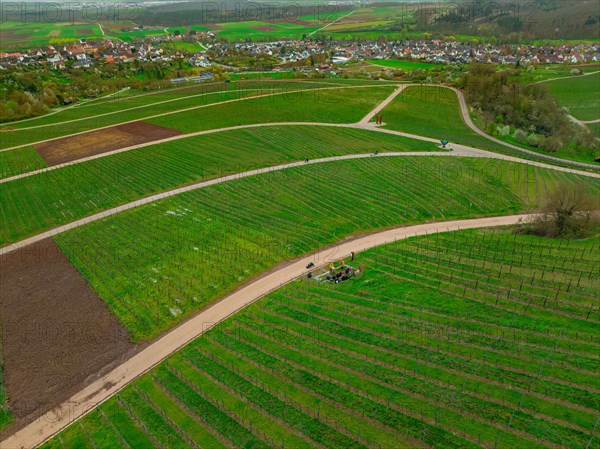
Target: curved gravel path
column 102, row 389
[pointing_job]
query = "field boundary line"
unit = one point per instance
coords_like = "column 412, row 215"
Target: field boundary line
column 49, row 424
column 564, row 78
column 331, row 23
column 463, row 149
column 200, row 185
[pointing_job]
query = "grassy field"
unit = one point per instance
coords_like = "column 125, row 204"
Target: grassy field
column 595, row 128
column 156, row 264
column 466, row 339
column 5, row 415
column 46, row 200
column 19, row 161
column 435, row 112
column 29, row 35
column 405, row 65
column 546, row 72
column 122, row 100
column 236, row 31
column 334, row 105
column 315, row 106
column 581, row 95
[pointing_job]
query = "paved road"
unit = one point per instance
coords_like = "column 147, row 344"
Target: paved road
column 102, row 389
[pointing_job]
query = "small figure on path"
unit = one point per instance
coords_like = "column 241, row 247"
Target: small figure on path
column 352, row 256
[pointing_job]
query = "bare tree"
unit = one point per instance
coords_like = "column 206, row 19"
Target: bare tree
column 568, row 211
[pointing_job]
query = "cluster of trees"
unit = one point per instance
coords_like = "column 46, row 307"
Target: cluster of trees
column 27, row 91
column 528, row 114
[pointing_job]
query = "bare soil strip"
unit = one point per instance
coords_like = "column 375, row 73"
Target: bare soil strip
column 58, row 335
column 71, row 148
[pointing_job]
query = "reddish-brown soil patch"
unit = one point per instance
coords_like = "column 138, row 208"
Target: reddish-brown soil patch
column 57, row 334
column 264, row 29
column 84, row 31
column 71, row 148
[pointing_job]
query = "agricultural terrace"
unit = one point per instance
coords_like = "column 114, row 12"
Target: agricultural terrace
column 404, row 65
column 157, row 263
column 580, row 95
column 435, row 112
column 334, row 103
column 21, row 160
column 466, row 339
column 118, row 101
column 18, row 35
column 543, row 73
column 48, row 199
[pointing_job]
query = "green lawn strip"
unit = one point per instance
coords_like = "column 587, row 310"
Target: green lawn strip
column 5, row 414
column 404, row 65
column 399, row 381
column 238, row 407
column 350, row 390
column 337, row 104
column 15, row 138
column 82, row 189
column 155, row 423
column 232, row 430
column 19, row 161
column 456, row 388
column 580, row 95
column 572, row 394
column 194, row 429
column 296, row 396
column 210, row 230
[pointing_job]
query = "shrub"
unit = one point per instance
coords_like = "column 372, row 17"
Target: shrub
column 569, row 211
column 504, row 130
column 551, row 144
column 533, row 140
column 520, row 136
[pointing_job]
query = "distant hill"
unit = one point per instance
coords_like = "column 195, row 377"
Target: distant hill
column 533, row 19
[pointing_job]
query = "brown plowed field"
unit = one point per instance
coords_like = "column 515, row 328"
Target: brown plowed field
column 57, row 334
column 71, row 148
